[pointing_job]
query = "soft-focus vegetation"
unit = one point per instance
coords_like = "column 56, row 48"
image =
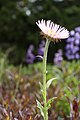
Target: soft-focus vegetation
column 19, row 89
column 19, row 82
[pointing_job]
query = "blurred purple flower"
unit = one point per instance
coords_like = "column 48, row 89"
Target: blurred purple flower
column 41, row 49
column 76, row 49
column 30, row 57
column 77, row 41
column 58, row 57
column 77, row 56
column 77, row 29
column 77, row 35
column 72, row 32
column 73, row 44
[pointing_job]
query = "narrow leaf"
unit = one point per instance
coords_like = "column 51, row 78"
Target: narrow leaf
column 50, row 101
column 42, row 90
column 40, row 56
column 40, row 107
column 50, row 81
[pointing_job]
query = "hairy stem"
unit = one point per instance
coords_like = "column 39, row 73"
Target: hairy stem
column 44, row 79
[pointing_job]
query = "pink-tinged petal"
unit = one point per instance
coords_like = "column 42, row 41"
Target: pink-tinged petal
column 52, row 30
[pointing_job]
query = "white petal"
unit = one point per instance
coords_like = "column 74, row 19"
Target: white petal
column 53, row 30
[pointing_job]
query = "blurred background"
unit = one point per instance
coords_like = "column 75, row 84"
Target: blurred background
column 21, row 68
column 18, row 29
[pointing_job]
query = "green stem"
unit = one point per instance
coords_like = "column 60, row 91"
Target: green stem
column 44, row 79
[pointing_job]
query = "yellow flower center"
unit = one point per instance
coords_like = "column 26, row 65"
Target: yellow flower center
column 49, row 32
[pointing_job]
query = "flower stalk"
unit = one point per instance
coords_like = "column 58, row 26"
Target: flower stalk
column 44, row 80
column 52, row 32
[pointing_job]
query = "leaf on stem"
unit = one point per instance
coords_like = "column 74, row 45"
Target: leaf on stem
column 40, row 107
column 49, row 82
column 39, row 56
column 50, row 101
column 42, row 91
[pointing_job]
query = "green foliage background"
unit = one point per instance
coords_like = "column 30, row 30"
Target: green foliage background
column 18, row 29
column 25, row 81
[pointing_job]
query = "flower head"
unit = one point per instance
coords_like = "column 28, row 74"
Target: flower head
column 52, row 31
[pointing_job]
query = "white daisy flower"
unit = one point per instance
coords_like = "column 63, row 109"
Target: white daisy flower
column 52, row 31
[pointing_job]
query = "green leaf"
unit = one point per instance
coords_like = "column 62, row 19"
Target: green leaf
column 49, row 82
column 42, row 90
column 40, row 56
column 41, row 86
column 40, row 107
column 50, row 101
